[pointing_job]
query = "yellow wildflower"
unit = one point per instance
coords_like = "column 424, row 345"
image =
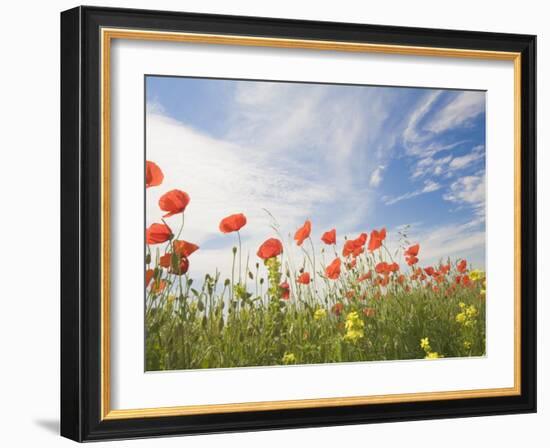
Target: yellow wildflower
column 461, row 318
column 476, row 275
column 467, row 316
column 289, row 358
column 354, row 327
column 433, row 355
column 425, row 344
column 321, row 313
column 467, row 345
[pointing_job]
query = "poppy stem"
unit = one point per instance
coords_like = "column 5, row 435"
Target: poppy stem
column 240, row 255
column 313, row 267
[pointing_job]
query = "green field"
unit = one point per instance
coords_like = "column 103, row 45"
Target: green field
column 368, row 309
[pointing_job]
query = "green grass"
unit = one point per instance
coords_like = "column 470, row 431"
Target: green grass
column 236, row 325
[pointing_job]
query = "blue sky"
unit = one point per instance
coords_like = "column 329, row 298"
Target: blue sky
column 351, row 157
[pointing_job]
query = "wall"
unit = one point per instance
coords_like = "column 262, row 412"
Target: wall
column 29, row 178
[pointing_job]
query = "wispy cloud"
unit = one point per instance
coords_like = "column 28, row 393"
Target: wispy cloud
column 319, row 152
column 447, row 166
column 376, row 176
column 429, row 187
column 469, row 190
column 464, row 107
column 465, row 240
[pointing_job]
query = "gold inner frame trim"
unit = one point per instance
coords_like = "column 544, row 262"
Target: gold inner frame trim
column 107, row 35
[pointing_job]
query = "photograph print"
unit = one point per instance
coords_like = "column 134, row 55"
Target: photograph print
column 293, row 223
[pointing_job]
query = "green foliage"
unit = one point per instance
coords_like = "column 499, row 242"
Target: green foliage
column 208, row 329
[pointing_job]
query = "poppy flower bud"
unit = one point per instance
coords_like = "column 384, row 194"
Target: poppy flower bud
column 234, row 250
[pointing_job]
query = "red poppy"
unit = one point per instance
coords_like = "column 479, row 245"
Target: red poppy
column 411, row 254
column 337, row 308
column 376, row 239
column 333, row 269
column 173, row 202
column 412, row 251
column 303, row 232
column 158, row 286
column 166, row 260
column 369, row 312
column 444, row 269
column 458, row 279
column 270, row 248
column 462, row 266
column 401, row 279
column 429, row 270
column 381, row 268
column 285, row 290
column 382, row 280
column 355, row 247
column 466, row 280
column 158, row 233
column 149, row 274
column 364, row 277
column 181, row 266
column 393, row 267
column 304, row 278
column 232, row 223
column 184, row 248
column 153, row 174
column 329, row 237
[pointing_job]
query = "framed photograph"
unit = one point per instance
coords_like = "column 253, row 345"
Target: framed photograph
column 273, row 223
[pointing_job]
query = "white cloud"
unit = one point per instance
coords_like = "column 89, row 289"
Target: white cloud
column 455, row 241
column 464, row 107
column 412, row 133
column 447, row 166
column 224, row 178
column 468, row 190
column 429, row 187
column 376, row 176
column 468, row 159
column 422, row 137
column 431, row 166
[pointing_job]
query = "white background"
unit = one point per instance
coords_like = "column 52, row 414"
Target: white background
column 132, row 388
column 29, row 320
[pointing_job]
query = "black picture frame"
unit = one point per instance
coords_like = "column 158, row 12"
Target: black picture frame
column 81, row 224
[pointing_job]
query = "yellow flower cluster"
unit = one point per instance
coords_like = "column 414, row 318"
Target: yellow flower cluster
column 354, row 327
column 477, row 275
column 467, row 314
column 289, row 358
column 425, row 345
column 321, row 313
